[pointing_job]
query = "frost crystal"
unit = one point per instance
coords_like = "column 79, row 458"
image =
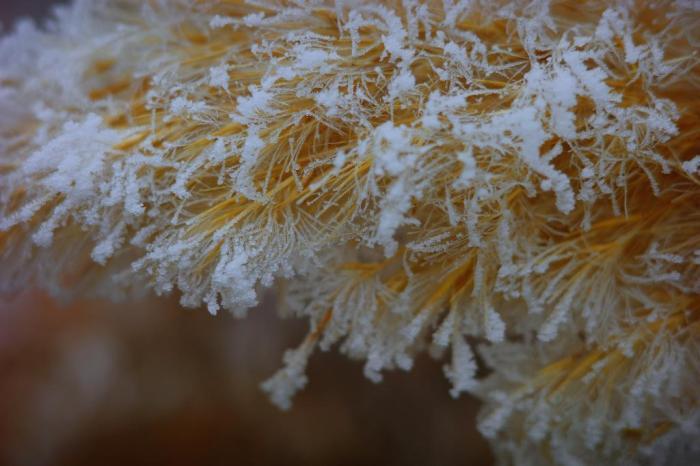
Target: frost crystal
column 513, row 181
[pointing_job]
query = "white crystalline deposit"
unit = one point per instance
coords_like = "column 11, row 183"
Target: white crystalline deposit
column 509, row 182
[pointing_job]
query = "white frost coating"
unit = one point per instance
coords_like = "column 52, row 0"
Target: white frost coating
column 491, row 424
column 401, row 84
column 249, row 107
column 72, row 161
column 393, row 214
column 462, row 371
column 494, row 326
column 218, row 76
column 106, row 248
column 562, row 97
column 219, row 21
column 441, row 337
column 308, row 59
column 592, row 80
column 330, row 99
column 439, row 104
column 394, row 154
column 469, row 169
column 182, row 105
column 525, row 131
column 427, row 175
column 393, row 150
column 71, row 165
column 289, row 380
column 231, row 274
column 254, row 19
column 692, row 166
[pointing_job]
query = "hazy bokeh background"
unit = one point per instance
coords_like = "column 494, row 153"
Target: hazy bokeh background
column 95, row 383
column 10, row 10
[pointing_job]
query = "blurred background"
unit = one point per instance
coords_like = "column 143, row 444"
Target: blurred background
column 95, row 383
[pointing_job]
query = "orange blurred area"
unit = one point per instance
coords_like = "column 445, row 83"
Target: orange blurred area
column 96, row 383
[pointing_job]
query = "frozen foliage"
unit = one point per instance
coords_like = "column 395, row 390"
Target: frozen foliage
column 513, row 182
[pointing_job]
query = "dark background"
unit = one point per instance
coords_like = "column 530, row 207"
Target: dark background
column 13, row 9
column 94, row 383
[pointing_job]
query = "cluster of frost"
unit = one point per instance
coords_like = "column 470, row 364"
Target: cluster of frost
column 420, row 175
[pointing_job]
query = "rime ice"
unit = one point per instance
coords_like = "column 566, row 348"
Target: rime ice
column 513, row 182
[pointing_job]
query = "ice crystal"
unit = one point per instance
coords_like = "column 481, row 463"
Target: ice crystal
column 513, row 181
